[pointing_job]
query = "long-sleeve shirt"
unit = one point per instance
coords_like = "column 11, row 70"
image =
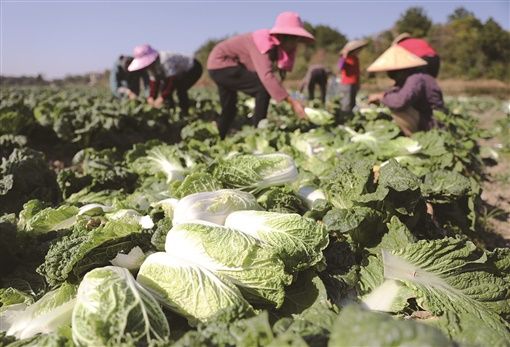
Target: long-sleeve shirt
column 418, row 47
column 241, row 50
column 349, row 69
column 172, row 64
column 122, row 80
column 419, row 91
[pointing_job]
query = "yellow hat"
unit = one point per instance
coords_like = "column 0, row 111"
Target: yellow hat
column 395, row 58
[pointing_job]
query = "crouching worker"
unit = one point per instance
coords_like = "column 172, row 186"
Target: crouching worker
column 126, row 84
column 249, row 63
column 168, row 72
column 317, row 75
column 415, row 94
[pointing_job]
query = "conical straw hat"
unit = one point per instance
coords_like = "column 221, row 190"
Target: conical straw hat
column 353, row 45
column 400, row 38
column 395, row 58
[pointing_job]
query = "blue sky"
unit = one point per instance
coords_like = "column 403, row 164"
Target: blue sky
column 57, row 37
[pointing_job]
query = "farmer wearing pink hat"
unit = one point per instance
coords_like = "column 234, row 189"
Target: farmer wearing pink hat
column 168, row 72
column 249, row 62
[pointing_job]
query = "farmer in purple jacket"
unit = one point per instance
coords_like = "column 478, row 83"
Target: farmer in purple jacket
column 415, row 94
column 250, row 62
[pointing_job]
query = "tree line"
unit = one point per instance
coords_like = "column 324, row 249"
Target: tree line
column 469, row 48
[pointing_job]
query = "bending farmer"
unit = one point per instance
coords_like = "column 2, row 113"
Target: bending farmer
column 249, row 62
column 124, row 83
column 317, row 75
column 168, row 72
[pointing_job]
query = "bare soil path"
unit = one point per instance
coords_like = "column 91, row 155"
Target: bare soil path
column 496, row 188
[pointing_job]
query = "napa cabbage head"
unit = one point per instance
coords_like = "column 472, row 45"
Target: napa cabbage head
column 131, row 260
column 167, row 205
column 458, row 283
column 233, row 255
column 112, row 308
column 310, row 193
column 256, row 171
column 298, row 241
column 161, row 160
column 44, row 316
column 192, row 290
column 312, row 142
column 213, row 207
column 35, row 219
column 319, row 117
column 132, row 217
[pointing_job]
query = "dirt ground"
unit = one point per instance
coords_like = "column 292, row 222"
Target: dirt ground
column 496, row 189
column 496, row 195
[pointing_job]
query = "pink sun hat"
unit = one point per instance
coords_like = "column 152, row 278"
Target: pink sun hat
column 289, row 23
column 144, row 56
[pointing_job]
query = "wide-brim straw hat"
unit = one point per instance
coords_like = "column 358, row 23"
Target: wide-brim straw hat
column 400, row 37
column 144, row 55
column 353, row 45
column 289, row 23
column 395, row 58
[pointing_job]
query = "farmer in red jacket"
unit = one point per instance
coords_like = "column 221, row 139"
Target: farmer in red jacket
column 422, row 49
column 249, row 62
column 348, row 66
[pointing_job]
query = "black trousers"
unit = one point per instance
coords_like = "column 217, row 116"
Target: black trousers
column 318, row 77
column 230, row 80
column 433, row 64
column 182, row 83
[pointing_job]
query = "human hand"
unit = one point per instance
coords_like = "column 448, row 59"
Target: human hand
column 375, row 98
column 297, row 108
column 131, row 95
column 150, row 100
column 159, row 102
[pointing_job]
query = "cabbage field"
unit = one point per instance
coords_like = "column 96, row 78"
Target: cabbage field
column 125, row 225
